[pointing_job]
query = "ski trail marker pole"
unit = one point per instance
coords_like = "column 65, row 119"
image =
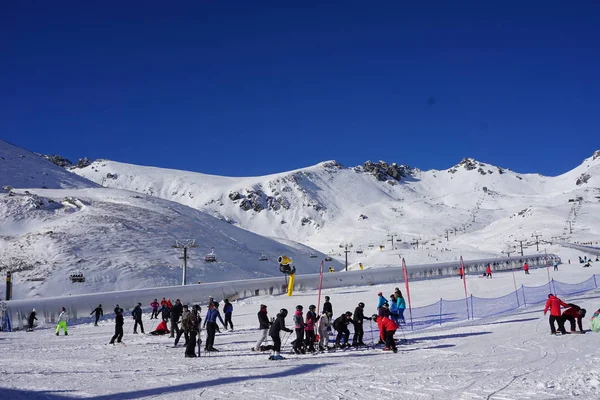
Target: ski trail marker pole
column 405, row 272
column 464, row 275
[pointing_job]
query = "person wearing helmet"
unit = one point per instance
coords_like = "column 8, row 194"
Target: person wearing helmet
column 380, row 300
column 210, row 322
column 98, row 312
column 341, row 326
column 299, row 328
column 63, row 318
column 309, row 328
column 30, row 321
column 263, row 325
column 276, row 327
column 324, row 329
column 359, row 317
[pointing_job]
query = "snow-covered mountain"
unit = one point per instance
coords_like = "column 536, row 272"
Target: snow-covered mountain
column 327, row 204
column 116, row 222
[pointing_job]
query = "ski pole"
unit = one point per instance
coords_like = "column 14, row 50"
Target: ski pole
column 371, row 330
column 403, row 334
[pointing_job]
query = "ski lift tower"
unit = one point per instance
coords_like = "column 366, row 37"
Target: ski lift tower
column 346, row 246
column 185, row 245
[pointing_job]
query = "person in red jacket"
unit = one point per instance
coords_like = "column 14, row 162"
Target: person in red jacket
column 574, row 312
column 387, row 329
column 488, row 271
column 161, row 329
column 554, row 304
column 526, row 268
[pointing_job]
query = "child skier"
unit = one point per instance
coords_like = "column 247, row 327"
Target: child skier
column 324, row 329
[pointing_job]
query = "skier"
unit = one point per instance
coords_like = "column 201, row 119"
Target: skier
column 461, row 272
column 154, row 306
column 526, row 268
column 324, row 329
column 394, row 315
column 195, row 334
column 210, row 323
column 299, row 328
column 341, row 326
column 327, row 307
column 384, row 311
column 309, row 328
column 185, row 317
column 488, row 271
column 263, row 325
column 401, row 306
column 98, row 312
column 117, row 308
column 387, row 329
column 137, row 317
column 359, row 317
column 228, row 310
column 30, row 321
column 63, row 318
column 119, row 321
column 574, row 312
column 554, row 303
column 381, row 300
column 161, row 329
column 276, row 328
column 175, row 314
column 555, row 264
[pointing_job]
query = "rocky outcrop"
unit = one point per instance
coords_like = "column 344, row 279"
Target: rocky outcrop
column 58, row 160
column 596, row 155
column 383, row 171
column 583, row 178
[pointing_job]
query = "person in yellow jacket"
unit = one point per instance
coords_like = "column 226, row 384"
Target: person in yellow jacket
column 63, row 318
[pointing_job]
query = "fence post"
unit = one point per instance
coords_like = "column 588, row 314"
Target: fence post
column 524, row 300
column 441, row 300
column 595, row 284
column 553, row 286
column 517, row 294
column 472, row 310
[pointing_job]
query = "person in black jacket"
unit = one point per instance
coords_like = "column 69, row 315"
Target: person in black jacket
column 263, row 325
column 327, row 307
column 119, row 321
column 137, row 316
column 276, row 328
column 341, row 326
column 358, row 319
column 30, row 321
column 176, row 312
column 98, row 312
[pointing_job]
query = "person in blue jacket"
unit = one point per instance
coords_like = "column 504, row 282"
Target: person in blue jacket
column 401, row 306
column 381, row 300
column 210, row 323
column 394, row 315
column 228, row 310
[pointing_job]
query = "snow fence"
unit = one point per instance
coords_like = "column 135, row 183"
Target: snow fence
column 80, row 306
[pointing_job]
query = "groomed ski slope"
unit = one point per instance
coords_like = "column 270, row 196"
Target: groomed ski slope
column 508, row 357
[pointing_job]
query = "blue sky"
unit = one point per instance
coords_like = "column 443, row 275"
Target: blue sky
column 250, row 88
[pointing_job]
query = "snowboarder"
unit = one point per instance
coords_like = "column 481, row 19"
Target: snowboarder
column 175, row 314
column 276, row 328
column 359, row 317
column 154, row 306
column 63, row 318
column 341, row 326
column 574, row 312
column 119, row 321
column 299, row 328
column 526, row 268
column 137, row 317
column 387, row 329
column 185, row 317
column 554, row 304
column 228, row 310
column 309, row 328
column 324, row 329
column 98, row 312
column 210, row 323
column 263, row 325
column 488, row 271
column 30, row 321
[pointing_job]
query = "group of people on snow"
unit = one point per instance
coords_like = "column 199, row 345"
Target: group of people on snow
column 572, row 313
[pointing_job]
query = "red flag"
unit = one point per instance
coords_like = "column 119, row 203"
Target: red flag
column 464, row 279
column 320, row 285
column 405, row 273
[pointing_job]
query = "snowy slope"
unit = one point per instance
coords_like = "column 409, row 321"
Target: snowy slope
column 20, row 168
column 122, row 240
column 507, row 357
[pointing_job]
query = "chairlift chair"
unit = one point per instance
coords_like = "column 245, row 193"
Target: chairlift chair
column 263, row 257
column 211, row 257
column 77, row 277
column 313, row 255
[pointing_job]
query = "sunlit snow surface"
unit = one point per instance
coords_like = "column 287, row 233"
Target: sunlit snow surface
column 509, row 357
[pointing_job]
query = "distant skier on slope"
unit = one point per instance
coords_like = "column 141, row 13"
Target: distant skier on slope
column 30, row 321
column 98, row 312
column 119, row 321
column 63, row 318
